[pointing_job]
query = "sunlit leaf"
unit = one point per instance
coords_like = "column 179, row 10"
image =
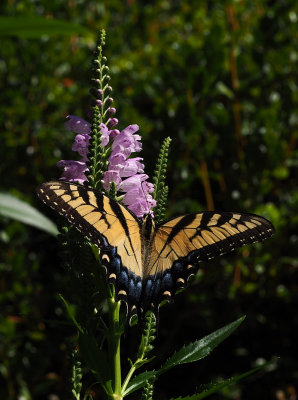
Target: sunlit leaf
column 12, row 207
column 201, row 348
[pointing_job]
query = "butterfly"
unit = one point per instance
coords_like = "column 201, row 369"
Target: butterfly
column 148, row 263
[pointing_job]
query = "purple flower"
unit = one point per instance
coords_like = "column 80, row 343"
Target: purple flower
column 77, row 124
column 81, row 144
column 105, row 135
column 116, row 160
column 109, row 177
column 73, row 170
column 135, row 188
column 125, row 167
column 132, row 182
column 127, row 173
column 131, row 167
column 126, row 142
column 137, row 197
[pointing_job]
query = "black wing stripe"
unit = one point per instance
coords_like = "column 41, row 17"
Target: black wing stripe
column 117, row 210
column 183, row 223
column 206, row 218
column 83, row 194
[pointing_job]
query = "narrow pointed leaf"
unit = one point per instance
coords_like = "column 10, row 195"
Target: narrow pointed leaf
column 34, row 26
column 201, row 348
column 12, row 207
column 220, row 385
column 193, row 352
column 140, row 381
column 71, row 313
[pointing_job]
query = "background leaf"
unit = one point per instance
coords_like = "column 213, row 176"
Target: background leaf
column 34, row 26
column 12, row 207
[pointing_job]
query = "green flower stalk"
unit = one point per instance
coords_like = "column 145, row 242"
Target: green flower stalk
column 148, row 391
column 161, row 191
column 76, row 375
column 97, row 156
column 146, row 346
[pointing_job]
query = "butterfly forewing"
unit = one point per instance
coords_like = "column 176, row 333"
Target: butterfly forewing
column 104, row 222
column 180, row 243
column 211, row 234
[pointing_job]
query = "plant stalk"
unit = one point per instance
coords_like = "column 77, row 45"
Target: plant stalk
column 114, row 347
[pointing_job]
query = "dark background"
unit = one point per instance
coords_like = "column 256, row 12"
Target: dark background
column 220, row 79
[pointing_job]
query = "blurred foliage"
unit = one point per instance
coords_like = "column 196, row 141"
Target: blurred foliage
column 220, row 78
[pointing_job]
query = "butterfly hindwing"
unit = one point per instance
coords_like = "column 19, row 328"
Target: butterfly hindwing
column 180, row 243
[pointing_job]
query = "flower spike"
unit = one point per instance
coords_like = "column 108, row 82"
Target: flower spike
column 160, row 193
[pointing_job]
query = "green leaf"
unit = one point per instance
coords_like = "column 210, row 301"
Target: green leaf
column 201, row 348
column 140, row 381
column 12, row 207
column 193, row 352
column 220, row 385
column 33, row 26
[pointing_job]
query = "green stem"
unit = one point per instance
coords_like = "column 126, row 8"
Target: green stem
column 129, row 375
column 114, row 347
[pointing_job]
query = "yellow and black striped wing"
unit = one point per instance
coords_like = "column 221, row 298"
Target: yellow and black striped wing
column 180, row 243
column 108, row 225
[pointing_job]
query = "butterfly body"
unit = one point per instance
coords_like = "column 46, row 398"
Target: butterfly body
column 148, row 263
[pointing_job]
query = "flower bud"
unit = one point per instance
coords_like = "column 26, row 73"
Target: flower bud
column 112, row 122
column 111, row 110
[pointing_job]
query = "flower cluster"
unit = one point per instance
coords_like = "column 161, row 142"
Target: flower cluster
column 74, row 171
column 127, row 173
